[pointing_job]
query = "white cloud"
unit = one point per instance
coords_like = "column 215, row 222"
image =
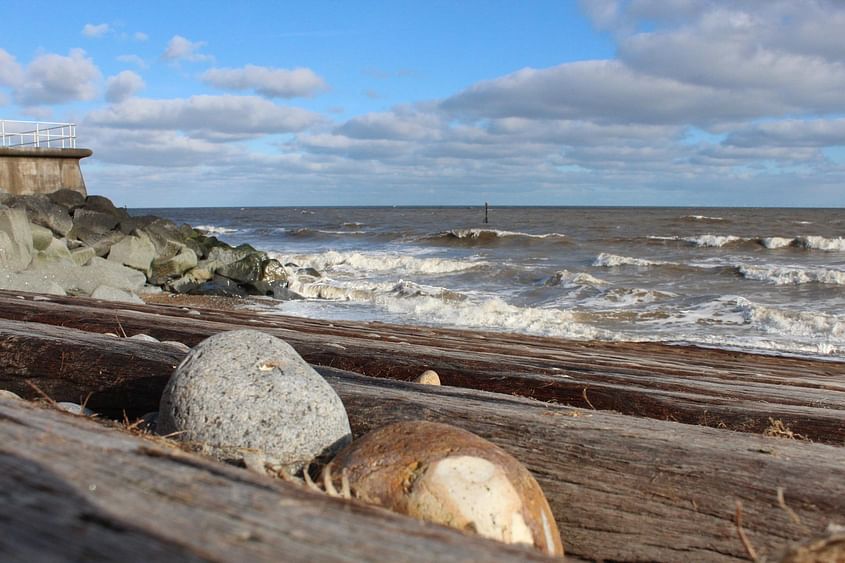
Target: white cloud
column 132, row 59
column 182, row 49
column 54, row 79
column 11, row 73
column 206, row 115
column 140, row 36
column 123, row 85
column 95, row 30
column 268, row 82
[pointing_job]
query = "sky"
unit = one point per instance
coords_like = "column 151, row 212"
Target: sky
column 597, row 102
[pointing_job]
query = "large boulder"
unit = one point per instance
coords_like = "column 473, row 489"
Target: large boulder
column 41, row 236
column 247, row 392
column 99, row 271
column 69, row 199
column 163, row 270
column 56, row 254
column 246, row 270
column 82, row 255
column 15, row 240
column 164, row 235
column 134, row 252
column 100, row 242
column 92, row 221
column 107, row 293
column 29, row 281
column 220, row 286
column 104, row 205
column 44, row 212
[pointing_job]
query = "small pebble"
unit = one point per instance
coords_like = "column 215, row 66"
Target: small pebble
column 143, row 338
column 428, row 377
column 74, row 408
column 176, row 344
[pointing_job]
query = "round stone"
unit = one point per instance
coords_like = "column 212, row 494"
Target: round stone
column 246, row 391
column 443, row 474
column 428, row 377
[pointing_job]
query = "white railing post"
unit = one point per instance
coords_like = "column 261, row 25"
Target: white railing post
column 33, row 133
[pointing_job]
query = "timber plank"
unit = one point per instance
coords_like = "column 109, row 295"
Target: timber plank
column 621, row 487
column 685, row 384
column 74, row 490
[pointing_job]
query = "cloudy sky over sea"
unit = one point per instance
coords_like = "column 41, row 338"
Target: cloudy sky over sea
column 600, row 102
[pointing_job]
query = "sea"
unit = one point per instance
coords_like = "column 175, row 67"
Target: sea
column 755, row 279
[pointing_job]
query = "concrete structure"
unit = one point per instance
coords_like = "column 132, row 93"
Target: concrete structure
column 30, row 170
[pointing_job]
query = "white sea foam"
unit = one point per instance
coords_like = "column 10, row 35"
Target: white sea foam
column 822, row 243
column 714, row 241
column 777, row 242
column 437, row 305
column 791, row 275
column 567, row 279
column 493, row 233
column 378, row 262
column 607, row 260
column 831, row 328
column 703, row 218
column 215, row 230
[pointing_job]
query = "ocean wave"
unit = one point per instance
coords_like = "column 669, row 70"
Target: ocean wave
column 821, row 243
column 704, row 218
column 772, row 243
column 567, row 279
column 215, row 230
column 711, row 241
column 436, row 305
column 490, row 236
column 606, row 260
column 792, row 323
column 627, row 297
column 379, row 262
column 791, row 275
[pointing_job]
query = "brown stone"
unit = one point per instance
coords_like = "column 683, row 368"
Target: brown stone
column 450, row 476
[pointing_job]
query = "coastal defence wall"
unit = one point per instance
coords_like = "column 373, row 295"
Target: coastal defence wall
column 32, row 170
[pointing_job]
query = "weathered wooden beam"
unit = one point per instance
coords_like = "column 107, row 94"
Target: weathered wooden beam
column 621, row 487
column 74, row 490
column 685, row 384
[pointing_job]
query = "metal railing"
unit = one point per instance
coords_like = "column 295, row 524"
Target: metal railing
column 37, row 134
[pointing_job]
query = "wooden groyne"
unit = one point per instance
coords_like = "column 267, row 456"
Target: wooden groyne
column 625, row 481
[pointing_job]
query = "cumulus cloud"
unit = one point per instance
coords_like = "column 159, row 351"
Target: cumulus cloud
column 182, row 49
column 207, row 115
column 266, row 81
column 11, row 73
column 123, row 85
column 95, row 30
column 53, row 79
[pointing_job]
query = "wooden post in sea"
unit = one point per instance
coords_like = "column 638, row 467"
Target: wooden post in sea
column 485, row 212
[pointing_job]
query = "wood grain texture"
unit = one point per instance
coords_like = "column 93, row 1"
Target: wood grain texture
column 686, row 384
column 74, row 490
column 621, row 487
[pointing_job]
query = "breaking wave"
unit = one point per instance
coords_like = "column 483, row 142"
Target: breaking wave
column 791, row 275
column 215, row 230
column 378, row 262
column 606, row 260
column 441, row 306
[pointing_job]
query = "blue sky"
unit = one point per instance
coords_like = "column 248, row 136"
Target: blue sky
column 600, row 102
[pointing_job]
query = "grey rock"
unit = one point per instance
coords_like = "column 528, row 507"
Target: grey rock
column 29, row 281
column 107, row 293
column 85, row 220
column 134, row 252
column 247, row 390
column 143, row 337
column 245, row 270
column 82, row 255
column 164, row 235
column 163, row 270
column 69, row 199
column 15, row 240
column 104, row 205
column 9, row 396
column 84, row 280
column 273, row 271
column 44, row 212
column 100, row 242
column 224, row 287
column 285, row 294
column 55, row 255
column 41, row 236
